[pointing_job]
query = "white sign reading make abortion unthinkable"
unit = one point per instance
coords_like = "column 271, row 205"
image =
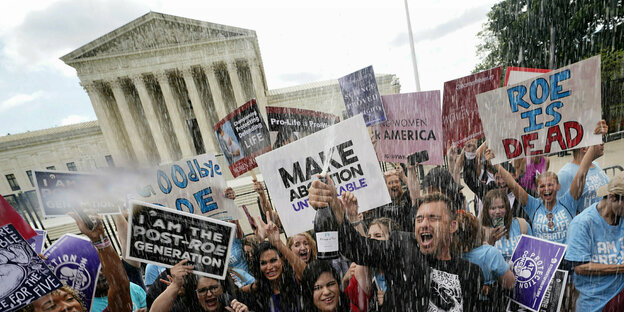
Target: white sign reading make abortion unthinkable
column 353, row 166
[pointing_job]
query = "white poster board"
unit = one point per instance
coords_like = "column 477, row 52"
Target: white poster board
column 289, row 170
column 549, row 113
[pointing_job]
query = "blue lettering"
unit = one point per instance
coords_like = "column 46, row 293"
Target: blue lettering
column 541, row 82
column 205, row 202
column 556, row 93
column 363, row 182
column 550, row 110
column 177, row 169
column 202, row 172
column 192, row 174
column 184, row 202
column 533, row 125
column 515, row 95
column 161, row 175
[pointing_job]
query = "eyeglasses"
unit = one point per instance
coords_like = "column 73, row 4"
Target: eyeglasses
column 204, row 291
column 551, row 222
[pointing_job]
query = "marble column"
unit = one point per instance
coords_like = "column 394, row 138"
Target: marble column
column 137, row 142
column 215, row 90
column 114, row 139
column 175, row 114
column 239, row 95
column 199, row 109
column 163, row 146
column 258, row 84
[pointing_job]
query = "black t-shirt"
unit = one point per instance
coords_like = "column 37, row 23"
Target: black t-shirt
column 398, row 210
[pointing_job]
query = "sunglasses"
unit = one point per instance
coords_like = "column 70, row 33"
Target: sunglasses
column 551, row 222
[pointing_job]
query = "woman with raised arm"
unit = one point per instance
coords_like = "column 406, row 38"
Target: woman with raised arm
column 551, row 216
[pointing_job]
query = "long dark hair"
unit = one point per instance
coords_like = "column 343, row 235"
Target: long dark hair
column 489, row 198
column 190, row 299
column 311, row 274
column 289, row 289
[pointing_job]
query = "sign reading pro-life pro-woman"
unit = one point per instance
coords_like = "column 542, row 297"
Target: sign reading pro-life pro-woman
column 553, row 112
column 352, row 165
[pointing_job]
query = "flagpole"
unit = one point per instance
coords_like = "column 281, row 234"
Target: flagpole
column 411, row 41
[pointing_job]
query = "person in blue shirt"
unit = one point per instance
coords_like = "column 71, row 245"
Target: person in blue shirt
column 549, row 215
column 596, row 248
column 595, row 176
column 502, row 230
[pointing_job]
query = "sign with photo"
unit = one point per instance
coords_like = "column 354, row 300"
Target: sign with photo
column 24, row 276
column 164, row 237
column 243, row 135
column 345, row 149
column 553, row 112
column 75, row 261
column 413, row 125
column 361, row 96
column 288, row 124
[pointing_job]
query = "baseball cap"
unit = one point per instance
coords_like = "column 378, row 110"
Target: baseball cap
column 615, row 186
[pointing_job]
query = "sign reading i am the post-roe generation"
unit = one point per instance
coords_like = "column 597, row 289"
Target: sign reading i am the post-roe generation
column 553, row 112
column 164, row 237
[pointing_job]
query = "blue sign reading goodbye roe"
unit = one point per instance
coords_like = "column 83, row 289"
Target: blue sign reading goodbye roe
column 361, row 95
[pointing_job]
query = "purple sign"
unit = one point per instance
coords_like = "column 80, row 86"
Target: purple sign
column 24, row 276
column 75, row 261
column 361, row 95
column 534, row 263
column 36, row 242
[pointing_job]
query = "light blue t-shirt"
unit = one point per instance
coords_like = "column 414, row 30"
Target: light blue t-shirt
column 565, row 209
column 490, row 260
column 506, row 245
column 595, row 179
column 151, row 273
column 137, row 294
column 592, row 239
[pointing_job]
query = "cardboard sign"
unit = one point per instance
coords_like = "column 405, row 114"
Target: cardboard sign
column 554, row 112
column 552, row 298
column 287, row 124
column 413, row 124
column 75, row 261
column 36, row 242
column 60, row 192
column 361, row 95
column 460, row 115
column 194, row 185
column 243, row 135
column 8, row 215
column 164, row 237
column 534, row 263
column 515, row 75
column 353, row 166
column 24, row 276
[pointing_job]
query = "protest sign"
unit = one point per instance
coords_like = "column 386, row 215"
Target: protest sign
column 460, row 115
column 242, row 136
column 60, row 192
column 552, row 298
column 353, row 166
column 74, row 260
column 288, row 124
column 24, row 276
column 534, row 262
column 554, row 112
column 195, row 185
column 164, row 237
column 361, row 95
column 514, row 75
column 36, row 242
column 413, row 124
column 8, row 215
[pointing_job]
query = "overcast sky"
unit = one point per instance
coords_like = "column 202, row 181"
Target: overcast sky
column 300, row 42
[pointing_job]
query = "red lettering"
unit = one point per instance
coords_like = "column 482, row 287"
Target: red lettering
column 554, row 134
column 528, row 146
column 572, row 142
column 507, row 143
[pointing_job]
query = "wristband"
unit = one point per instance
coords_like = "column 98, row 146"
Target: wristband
column 356, row 222
column 103, row 243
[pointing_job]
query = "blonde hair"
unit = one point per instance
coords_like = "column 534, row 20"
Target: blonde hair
column 547, row 174
column 291, row 240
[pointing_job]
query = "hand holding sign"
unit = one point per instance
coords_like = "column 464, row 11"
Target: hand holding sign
column 178, row 272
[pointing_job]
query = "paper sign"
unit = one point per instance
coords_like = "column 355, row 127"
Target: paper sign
column 24, row 276
column 534, row 263
column 36, row 242
column 552, row 298
column 413, row 124
column 8, row 215
column 554, row 112
column 288, row 124
column 75, row 261
column 60, row 192
column 361, row 95
column 194, row 185
column 289, row 170
column 515, row 75
column 243, row 135
column 460, row 116
column 164, row 237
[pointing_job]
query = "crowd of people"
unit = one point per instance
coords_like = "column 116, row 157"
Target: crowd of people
column 427, row 250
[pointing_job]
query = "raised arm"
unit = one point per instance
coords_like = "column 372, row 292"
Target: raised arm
column 578, row 183
column 122, row 233
column 273, row 234
column 164, row 301
column 519, row 192
column 480, row 153
column 265, row 205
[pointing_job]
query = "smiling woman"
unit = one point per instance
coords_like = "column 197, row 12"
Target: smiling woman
column 322, row 289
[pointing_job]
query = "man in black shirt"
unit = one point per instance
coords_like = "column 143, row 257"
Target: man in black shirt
column 422, row 273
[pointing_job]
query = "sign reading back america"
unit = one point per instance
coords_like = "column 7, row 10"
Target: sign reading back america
column 553, row 112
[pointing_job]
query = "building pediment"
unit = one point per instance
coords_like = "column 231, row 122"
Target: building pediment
column 154, row 31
